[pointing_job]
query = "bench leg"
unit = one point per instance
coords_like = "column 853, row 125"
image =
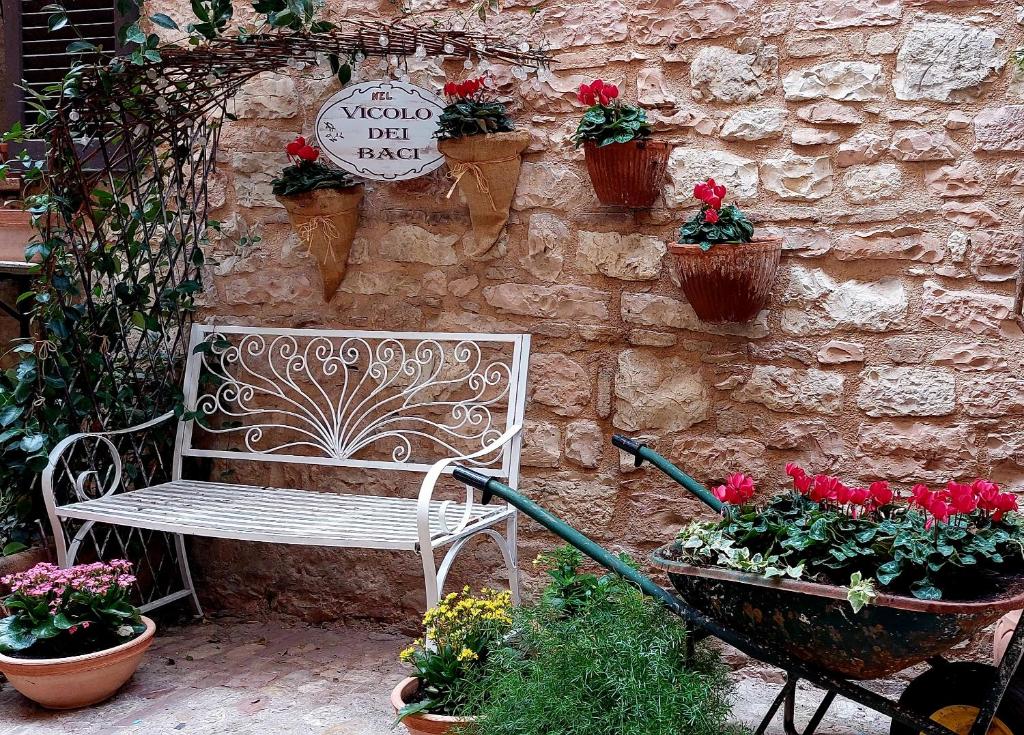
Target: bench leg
column 430, row 577
column 186, row 573
column 512, row 557
column 505, row 544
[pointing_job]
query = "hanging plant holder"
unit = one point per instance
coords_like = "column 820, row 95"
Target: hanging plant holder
column 730, row 282
column 627, row 174
column 485, row 168
column 326, row 221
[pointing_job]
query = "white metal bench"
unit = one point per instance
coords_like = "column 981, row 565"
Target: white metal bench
column 373, row 401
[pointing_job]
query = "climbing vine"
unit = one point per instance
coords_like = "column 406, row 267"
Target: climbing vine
column 120, row 203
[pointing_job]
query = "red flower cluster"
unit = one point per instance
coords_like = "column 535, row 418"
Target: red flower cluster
column 462, row 90
column 737, row 490
column 597, row 92
column 830, row 489
column 301, row 150
column 962, row 499
column 711, row 194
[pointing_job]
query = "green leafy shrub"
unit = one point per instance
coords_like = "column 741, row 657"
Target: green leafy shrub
column 608, row 120
column 470, row 111
column 597, row 657
column 715, row 223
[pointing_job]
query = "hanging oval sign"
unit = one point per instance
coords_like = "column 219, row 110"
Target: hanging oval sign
column 381, row 130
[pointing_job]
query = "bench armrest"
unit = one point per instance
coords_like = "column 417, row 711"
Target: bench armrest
column 101, row 437
column 434, row 474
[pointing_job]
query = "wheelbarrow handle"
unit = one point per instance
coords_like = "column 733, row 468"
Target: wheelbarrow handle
column 567, row 533
column 643, row 452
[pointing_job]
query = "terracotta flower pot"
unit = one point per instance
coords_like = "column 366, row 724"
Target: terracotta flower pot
column 627, row 174
column 24, row 560
column 77, row 681
column 1003, row 633
column 486, row 170
column 326, row 221
column 729, row 282
column 422, row 724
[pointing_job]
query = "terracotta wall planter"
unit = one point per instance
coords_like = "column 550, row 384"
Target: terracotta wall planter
column 326, row 221
column 486, row 170
column 15, row 232
column 627, row 174
column 729, row 282
column 421, row 724
column 77, row 681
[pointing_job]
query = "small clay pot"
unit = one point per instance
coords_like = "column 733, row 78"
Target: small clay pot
column 77, row 681
column 627, row 174
column 24, row 560
column 422, row 724
column 731, row 282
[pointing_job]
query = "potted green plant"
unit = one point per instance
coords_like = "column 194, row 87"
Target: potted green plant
column 323, row 207
column 459, row 634
column 726, row 274
column 626, row 167
column 73, row 637
column 596, row 656
column 483, row 151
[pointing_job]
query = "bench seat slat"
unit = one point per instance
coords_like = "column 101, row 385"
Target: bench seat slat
column 275, row 515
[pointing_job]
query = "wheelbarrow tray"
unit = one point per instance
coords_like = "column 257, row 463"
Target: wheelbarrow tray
column 814, row 623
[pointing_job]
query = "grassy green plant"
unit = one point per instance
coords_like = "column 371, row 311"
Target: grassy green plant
column 597, row 657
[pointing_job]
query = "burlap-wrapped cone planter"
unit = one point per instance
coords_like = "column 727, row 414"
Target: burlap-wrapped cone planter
column 486, row 170
column 731, row 282
column 326, row 221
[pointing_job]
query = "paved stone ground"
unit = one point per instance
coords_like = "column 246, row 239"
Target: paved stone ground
column 231, row 677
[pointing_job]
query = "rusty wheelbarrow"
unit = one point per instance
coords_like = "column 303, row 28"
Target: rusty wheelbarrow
column 810, row 631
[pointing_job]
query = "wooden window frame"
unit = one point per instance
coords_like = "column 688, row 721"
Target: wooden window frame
column 12, row 110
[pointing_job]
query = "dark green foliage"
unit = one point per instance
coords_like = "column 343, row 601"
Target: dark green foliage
column 295, row 15
column 732, row 227
column 213, row 17
column 471, row 117
column 597, row 657
column 615, row 123
column 310, row 175
column 895, row 547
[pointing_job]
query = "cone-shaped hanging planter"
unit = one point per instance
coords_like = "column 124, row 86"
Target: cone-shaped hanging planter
column 486, row 170
column 326, row 222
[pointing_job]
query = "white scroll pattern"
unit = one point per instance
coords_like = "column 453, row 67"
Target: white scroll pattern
column 402, row 394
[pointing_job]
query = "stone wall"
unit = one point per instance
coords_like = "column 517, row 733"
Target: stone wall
column 883, row 139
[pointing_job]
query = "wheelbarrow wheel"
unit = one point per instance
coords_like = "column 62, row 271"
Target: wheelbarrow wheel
column 951, row 694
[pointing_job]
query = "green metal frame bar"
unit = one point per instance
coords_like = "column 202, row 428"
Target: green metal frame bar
column 642, row 452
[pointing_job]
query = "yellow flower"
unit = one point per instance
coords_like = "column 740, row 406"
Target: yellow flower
column 467, row 654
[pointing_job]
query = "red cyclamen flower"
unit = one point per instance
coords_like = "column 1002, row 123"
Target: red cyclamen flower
column 711, row 216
